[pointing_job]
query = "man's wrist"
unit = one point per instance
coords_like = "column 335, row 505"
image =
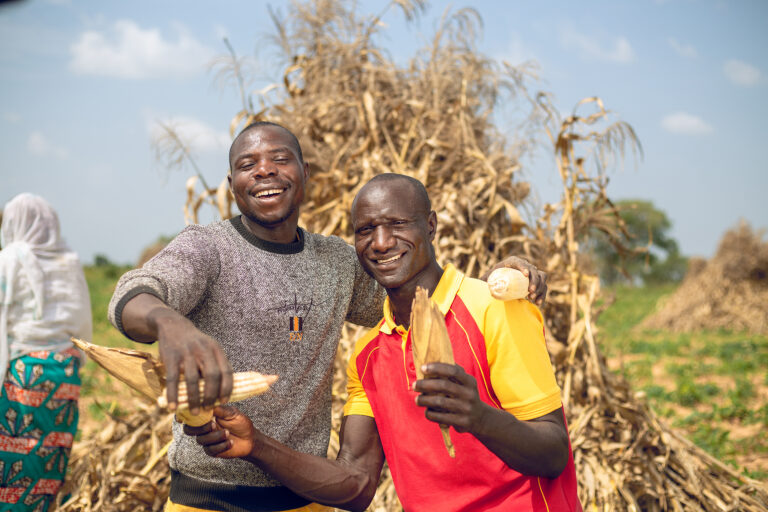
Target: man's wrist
column 163, row 317
column 257, row 447
column 487, row 421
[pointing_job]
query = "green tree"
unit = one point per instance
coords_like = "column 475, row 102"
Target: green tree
column 651, row 255
column 101, row 260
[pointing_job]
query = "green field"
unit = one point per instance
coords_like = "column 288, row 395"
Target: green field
column 101, row 395
column 712, row 385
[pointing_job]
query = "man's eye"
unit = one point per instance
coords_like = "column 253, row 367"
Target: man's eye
column 364, row 231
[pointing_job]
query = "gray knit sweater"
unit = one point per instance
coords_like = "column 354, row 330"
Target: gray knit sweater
column 274, row 308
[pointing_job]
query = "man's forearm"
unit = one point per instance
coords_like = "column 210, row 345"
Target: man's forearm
column 538, row 447
column 330, row 482
column 142, row 314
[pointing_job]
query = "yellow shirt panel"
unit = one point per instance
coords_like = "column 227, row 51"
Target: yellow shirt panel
column 357, row 401
column 521, row 373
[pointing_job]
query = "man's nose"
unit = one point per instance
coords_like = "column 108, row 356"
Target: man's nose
column 264, row 168
column 382, row 239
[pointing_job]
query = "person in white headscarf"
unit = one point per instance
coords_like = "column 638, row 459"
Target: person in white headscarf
column 44, row 301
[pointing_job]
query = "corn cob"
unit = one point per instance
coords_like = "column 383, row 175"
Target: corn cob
column 430, row 343
column 508, row 284
column 245, row 385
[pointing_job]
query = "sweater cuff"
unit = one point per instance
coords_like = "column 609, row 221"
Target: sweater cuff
column 124, row 300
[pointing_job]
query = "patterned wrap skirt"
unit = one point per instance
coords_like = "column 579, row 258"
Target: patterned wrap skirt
column 38, row 421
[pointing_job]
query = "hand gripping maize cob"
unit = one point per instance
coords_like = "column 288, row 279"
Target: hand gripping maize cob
column 508, row 284
column 245, row 385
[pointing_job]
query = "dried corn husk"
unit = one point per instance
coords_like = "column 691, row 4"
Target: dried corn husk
column 140, row 370
column 145, row 374
column 430, row 343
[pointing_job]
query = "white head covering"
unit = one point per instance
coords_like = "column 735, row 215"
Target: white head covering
column 34, row 258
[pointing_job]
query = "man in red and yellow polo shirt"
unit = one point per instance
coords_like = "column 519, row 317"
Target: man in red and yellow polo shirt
column 501, row 399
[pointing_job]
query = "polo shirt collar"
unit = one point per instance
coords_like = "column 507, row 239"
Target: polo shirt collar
column 443, row 296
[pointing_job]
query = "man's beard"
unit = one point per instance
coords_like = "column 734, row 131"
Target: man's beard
column 269, row 224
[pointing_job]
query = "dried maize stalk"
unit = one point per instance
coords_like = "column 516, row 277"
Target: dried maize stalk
column 430, row 343
column 508, row 284
column 245, row 385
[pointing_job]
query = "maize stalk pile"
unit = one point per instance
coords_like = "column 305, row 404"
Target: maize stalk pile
column 730, row 291
column 357, row 114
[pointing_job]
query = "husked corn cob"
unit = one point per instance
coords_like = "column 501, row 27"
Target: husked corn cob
column 245, row 385
column 508, row 284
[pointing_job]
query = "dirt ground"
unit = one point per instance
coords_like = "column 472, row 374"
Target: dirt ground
column 744, row 436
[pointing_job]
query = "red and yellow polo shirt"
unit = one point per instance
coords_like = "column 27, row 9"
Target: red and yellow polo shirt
column 502, row 345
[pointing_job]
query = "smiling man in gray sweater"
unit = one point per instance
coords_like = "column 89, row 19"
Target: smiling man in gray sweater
column 254, row 292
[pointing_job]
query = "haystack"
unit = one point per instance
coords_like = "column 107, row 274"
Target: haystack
column 730, row 291
column 358, row 114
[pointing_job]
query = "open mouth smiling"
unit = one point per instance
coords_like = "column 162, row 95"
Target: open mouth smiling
column 271, row 192
column 384, row 261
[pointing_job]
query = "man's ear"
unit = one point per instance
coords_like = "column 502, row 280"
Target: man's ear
column 229, row 179
column 306, row 171
column 432, row 224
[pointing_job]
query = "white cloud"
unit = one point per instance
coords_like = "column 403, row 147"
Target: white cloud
column 683, row 50
column 197, row 135
column 38, row 144
column 620, row 51
column 682, row 123
column 129, row 51
column 742, row 73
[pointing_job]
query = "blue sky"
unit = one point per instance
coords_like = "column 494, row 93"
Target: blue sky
column 82, row 84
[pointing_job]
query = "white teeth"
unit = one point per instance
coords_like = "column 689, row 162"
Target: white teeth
column 269, row 192
column 393, row 258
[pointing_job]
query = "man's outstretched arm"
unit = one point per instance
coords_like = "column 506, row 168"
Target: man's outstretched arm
column 348, row 482
column 183, row 349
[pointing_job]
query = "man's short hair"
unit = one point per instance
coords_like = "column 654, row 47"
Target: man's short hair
column 416, row 185
column 261, row 124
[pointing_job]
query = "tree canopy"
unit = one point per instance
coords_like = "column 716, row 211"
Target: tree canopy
column 651, row 255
